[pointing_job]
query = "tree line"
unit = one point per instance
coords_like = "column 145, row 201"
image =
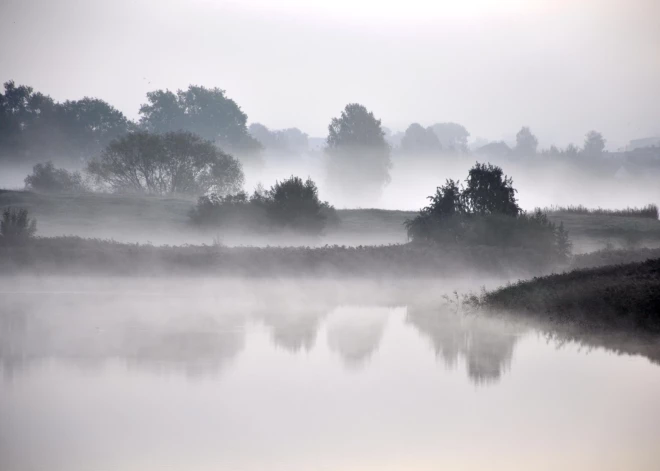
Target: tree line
column 197, row 140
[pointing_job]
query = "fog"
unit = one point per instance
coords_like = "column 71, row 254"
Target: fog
column 340, row 235
column 182, row 373
column 562, row 68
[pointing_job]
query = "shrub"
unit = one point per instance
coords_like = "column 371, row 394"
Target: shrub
column 46, row 178
column 292, row 204
column 16, row 226
column 237, row 210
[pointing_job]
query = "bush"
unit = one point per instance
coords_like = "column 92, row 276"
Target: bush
column 486, row 213
column 292, row 204
column 46, row 178
column 16, row 226
column 237, row 210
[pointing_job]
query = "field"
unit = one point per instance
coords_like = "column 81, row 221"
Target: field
column 165, row 221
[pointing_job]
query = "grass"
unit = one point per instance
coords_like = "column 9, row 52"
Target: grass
column 649, row 211
column 67, row 255
column 620, row 297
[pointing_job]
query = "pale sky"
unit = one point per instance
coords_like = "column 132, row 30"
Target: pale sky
column 562, row 67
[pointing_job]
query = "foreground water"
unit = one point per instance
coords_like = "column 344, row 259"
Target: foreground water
column 204, row 375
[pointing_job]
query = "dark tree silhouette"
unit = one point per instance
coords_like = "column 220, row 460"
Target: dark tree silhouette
column 295, row 204
column 485, row 212
column 175, row 162
column 358, row 155
column 489, row 191
column 207, row 112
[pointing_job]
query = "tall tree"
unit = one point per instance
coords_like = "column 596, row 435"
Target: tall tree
column 526, row 142
column 207, row 112
column 358, row 155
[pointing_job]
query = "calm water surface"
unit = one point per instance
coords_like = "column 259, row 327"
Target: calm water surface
column 258, row 376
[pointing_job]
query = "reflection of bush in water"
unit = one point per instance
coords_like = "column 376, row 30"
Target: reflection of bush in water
column 485, row 344
column 356, row 334
column 293, row 329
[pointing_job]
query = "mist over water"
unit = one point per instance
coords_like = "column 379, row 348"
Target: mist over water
column 342, row 235
column 243, row 374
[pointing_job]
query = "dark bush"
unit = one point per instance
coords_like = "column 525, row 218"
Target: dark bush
column 16, row 227
column 292, row 204
column 46, row 178
column 486, row 213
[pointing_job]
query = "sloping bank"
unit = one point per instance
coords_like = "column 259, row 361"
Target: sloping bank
column 618, row 297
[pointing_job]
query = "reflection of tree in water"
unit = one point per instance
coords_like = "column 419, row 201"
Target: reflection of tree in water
column 293, row 328
column 177, row 335
column 485, row 344
column 355, row 333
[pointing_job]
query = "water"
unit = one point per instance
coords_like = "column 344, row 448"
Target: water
column 204, row 375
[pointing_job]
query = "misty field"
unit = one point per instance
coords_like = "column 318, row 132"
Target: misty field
column 165, row 220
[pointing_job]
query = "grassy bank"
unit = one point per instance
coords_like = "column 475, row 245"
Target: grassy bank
column 65, row 255
column 165, row 221
column 621, row 297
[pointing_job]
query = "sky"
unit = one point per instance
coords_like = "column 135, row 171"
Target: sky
column 562, row 67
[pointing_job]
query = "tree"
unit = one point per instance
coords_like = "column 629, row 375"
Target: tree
column 358, row 155
column 22, row 111
column 437, row 221
column 89, row 125
column 207, row 112
column 594, row 144
column 34, row 127
column 489, row 191
column 452, row 136
column 175, row 162
column 46, row 178
column 526, row 142
column 420, row 141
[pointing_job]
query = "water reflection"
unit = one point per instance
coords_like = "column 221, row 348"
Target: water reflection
column 355, row 333
column 485, row 344
column 202, row 335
